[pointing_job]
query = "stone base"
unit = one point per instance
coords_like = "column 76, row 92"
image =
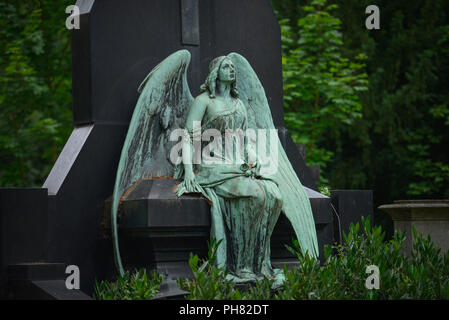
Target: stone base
column 429, row 217
column 158, row 230
column 40, row 281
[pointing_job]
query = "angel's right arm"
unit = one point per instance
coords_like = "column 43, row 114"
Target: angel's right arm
column 196, row 114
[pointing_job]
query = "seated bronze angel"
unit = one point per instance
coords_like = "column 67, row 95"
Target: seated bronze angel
column 229, row 152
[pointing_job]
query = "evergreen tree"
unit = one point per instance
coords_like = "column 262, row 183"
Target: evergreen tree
column 35, row 89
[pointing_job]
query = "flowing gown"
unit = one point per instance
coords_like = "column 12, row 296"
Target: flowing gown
column 244, row 206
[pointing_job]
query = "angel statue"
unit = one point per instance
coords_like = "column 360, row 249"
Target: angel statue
column 225, row 134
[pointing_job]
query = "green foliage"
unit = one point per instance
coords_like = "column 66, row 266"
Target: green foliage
column 131, row 286
column 35, row 89
column 399, row 144
column 321, row 85
column 324, row 190
column 398, row 147
column 425, row 275
column 422, row 275
column 412, row 119
column 209, row 282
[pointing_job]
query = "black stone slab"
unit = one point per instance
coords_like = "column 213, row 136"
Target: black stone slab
column 81, row 179
column 37, row 271
column 158, row 230
column 351, row 206
column 40, row 281
column 152, row 203
column 45, row 290
column 23, row 228
column 119, row 42
column 190, row 22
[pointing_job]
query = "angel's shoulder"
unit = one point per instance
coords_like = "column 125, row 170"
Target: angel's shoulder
column 203, row 97
column 202, row 100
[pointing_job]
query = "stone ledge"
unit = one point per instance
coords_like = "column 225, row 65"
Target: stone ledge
column 418, row 210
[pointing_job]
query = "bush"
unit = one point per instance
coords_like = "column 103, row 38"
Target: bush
column 209, row 282
column 135, row 286
column 423, row 275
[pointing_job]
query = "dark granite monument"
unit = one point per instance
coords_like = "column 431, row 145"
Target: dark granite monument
column 66, row 222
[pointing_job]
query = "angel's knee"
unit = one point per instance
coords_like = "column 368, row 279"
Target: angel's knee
column 256, row 193
column 276, row 196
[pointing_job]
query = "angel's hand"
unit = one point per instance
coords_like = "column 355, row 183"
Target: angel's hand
column 255, row 166
column 189, row 185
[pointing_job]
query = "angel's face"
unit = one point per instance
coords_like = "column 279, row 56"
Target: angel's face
column 226, row 73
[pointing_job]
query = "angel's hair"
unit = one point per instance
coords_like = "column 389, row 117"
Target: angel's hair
column 211, row 81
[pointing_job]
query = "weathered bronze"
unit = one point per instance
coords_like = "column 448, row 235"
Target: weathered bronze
column 229, row 155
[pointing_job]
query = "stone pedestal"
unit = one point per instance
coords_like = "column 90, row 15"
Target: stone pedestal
column 429, row 217
column 159, row 230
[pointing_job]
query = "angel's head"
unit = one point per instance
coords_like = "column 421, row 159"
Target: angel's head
column 220, row 69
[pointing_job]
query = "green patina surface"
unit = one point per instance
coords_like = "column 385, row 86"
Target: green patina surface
column 247, row 195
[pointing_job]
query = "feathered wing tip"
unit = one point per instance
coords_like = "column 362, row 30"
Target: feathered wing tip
column 296, row 205
column 162, row 106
